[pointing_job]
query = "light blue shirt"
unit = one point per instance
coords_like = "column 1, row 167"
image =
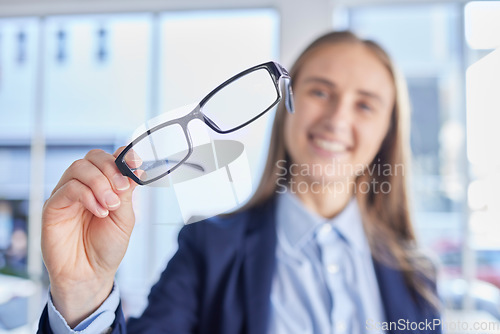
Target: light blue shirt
column 98, row 322
column 324, row 280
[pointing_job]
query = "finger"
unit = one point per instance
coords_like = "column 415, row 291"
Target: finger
column 106, row 164
column 73, row 192
column 91, row 176
column 69, row 173
column 132, row 159
column 118, row 151
column 140, row 173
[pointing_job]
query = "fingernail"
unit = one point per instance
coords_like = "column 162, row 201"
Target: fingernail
column 139, row 173
column 112, row 200
column 103, row 212
column 120, row 182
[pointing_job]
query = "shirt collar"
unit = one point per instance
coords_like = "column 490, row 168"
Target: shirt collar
column 350, row 226
column 298, row 224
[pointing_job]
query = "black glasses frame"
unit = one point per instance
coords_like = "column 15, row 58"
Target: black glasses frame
column 276, row 71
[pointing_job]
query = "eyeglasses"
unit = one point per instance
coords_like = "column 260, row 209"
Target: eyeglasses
column 234, row 104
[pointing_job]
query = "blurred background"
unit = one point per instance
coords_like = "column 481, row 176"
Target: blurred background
column 77, row 75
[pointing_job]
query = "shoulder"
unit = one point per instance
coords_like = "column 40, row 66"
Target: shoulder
column 249, row 218
column 232, row 227
column 216, row 225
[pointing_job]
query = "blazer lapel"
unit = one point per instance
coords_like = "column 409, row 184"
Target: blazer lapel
column 260, row 246
column 399, row 306
column 259, row 264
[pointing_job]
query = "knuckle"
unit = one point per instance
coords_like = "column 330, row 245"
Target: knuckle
column 70, row 188
column 77, row 191
column 112, row 169
column 72, row 185
column 118, row 151
column 108, row 168
column 87, row 196
column 94, row 152
column 98, row 183
column 78, row 164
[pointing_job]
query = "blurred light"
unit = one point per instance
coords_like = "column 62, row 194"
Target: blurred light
column 478, row 194
column 1, row 52
column 493, row 195
column 482, row 24
column 340, row 18
column 484, row 230
column 11, row 287
column 483, row 105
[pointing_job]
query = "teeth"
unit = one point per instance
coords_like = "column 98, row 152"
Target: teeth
column 331, row 146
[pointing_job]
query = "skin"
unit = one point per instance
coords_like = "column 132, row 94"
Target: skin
column 86, row 226
column 88, row 219
column 344, row 97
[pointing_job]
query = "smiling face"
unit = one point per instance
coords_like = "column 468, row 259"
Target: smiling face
column 344, row 96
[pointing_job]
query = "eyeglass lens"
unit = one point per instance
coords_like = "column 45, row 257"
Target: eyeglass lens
column 158, row 153
column 241, row 100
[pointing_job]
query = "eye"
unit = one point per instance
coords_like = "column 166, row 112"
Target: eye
column 321, row 93
column 365, row 107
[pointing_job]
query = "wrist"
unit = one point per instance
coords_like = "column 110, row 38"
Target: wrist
column 77, row 303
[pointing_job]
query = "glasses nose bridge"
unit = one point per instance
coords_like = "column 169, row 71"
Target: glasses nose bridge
column 196, row 113
column 184, row 123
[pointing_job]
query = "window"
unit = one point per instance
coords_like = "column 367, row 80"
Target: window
column 427, row 41
column 71, row 83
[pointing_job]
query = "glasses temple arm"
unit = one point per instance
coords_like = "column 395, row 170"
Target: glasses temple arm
column 288, row 94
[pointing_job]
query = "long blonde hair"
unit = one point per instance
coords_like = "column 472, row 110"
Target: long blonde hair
column 386, row 215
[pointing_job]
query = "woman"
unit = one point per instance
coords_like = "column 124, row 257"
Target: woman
column 325, row 244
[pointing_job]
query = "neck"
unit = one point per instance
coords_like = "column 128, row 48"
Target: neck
column 326, row 201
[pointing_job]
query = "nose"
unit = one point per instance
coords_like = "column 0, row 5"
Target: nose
column 338, row 116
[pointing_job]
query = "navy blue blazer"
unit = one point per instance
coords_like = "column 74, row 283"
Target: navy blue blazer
column 219, row 281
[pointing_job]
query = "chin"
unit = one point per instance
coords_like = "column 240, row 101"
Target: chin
column 329, row 170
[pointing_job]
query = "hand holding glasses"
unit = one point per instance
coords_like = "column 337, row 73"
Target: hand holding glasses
column 234, row 104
